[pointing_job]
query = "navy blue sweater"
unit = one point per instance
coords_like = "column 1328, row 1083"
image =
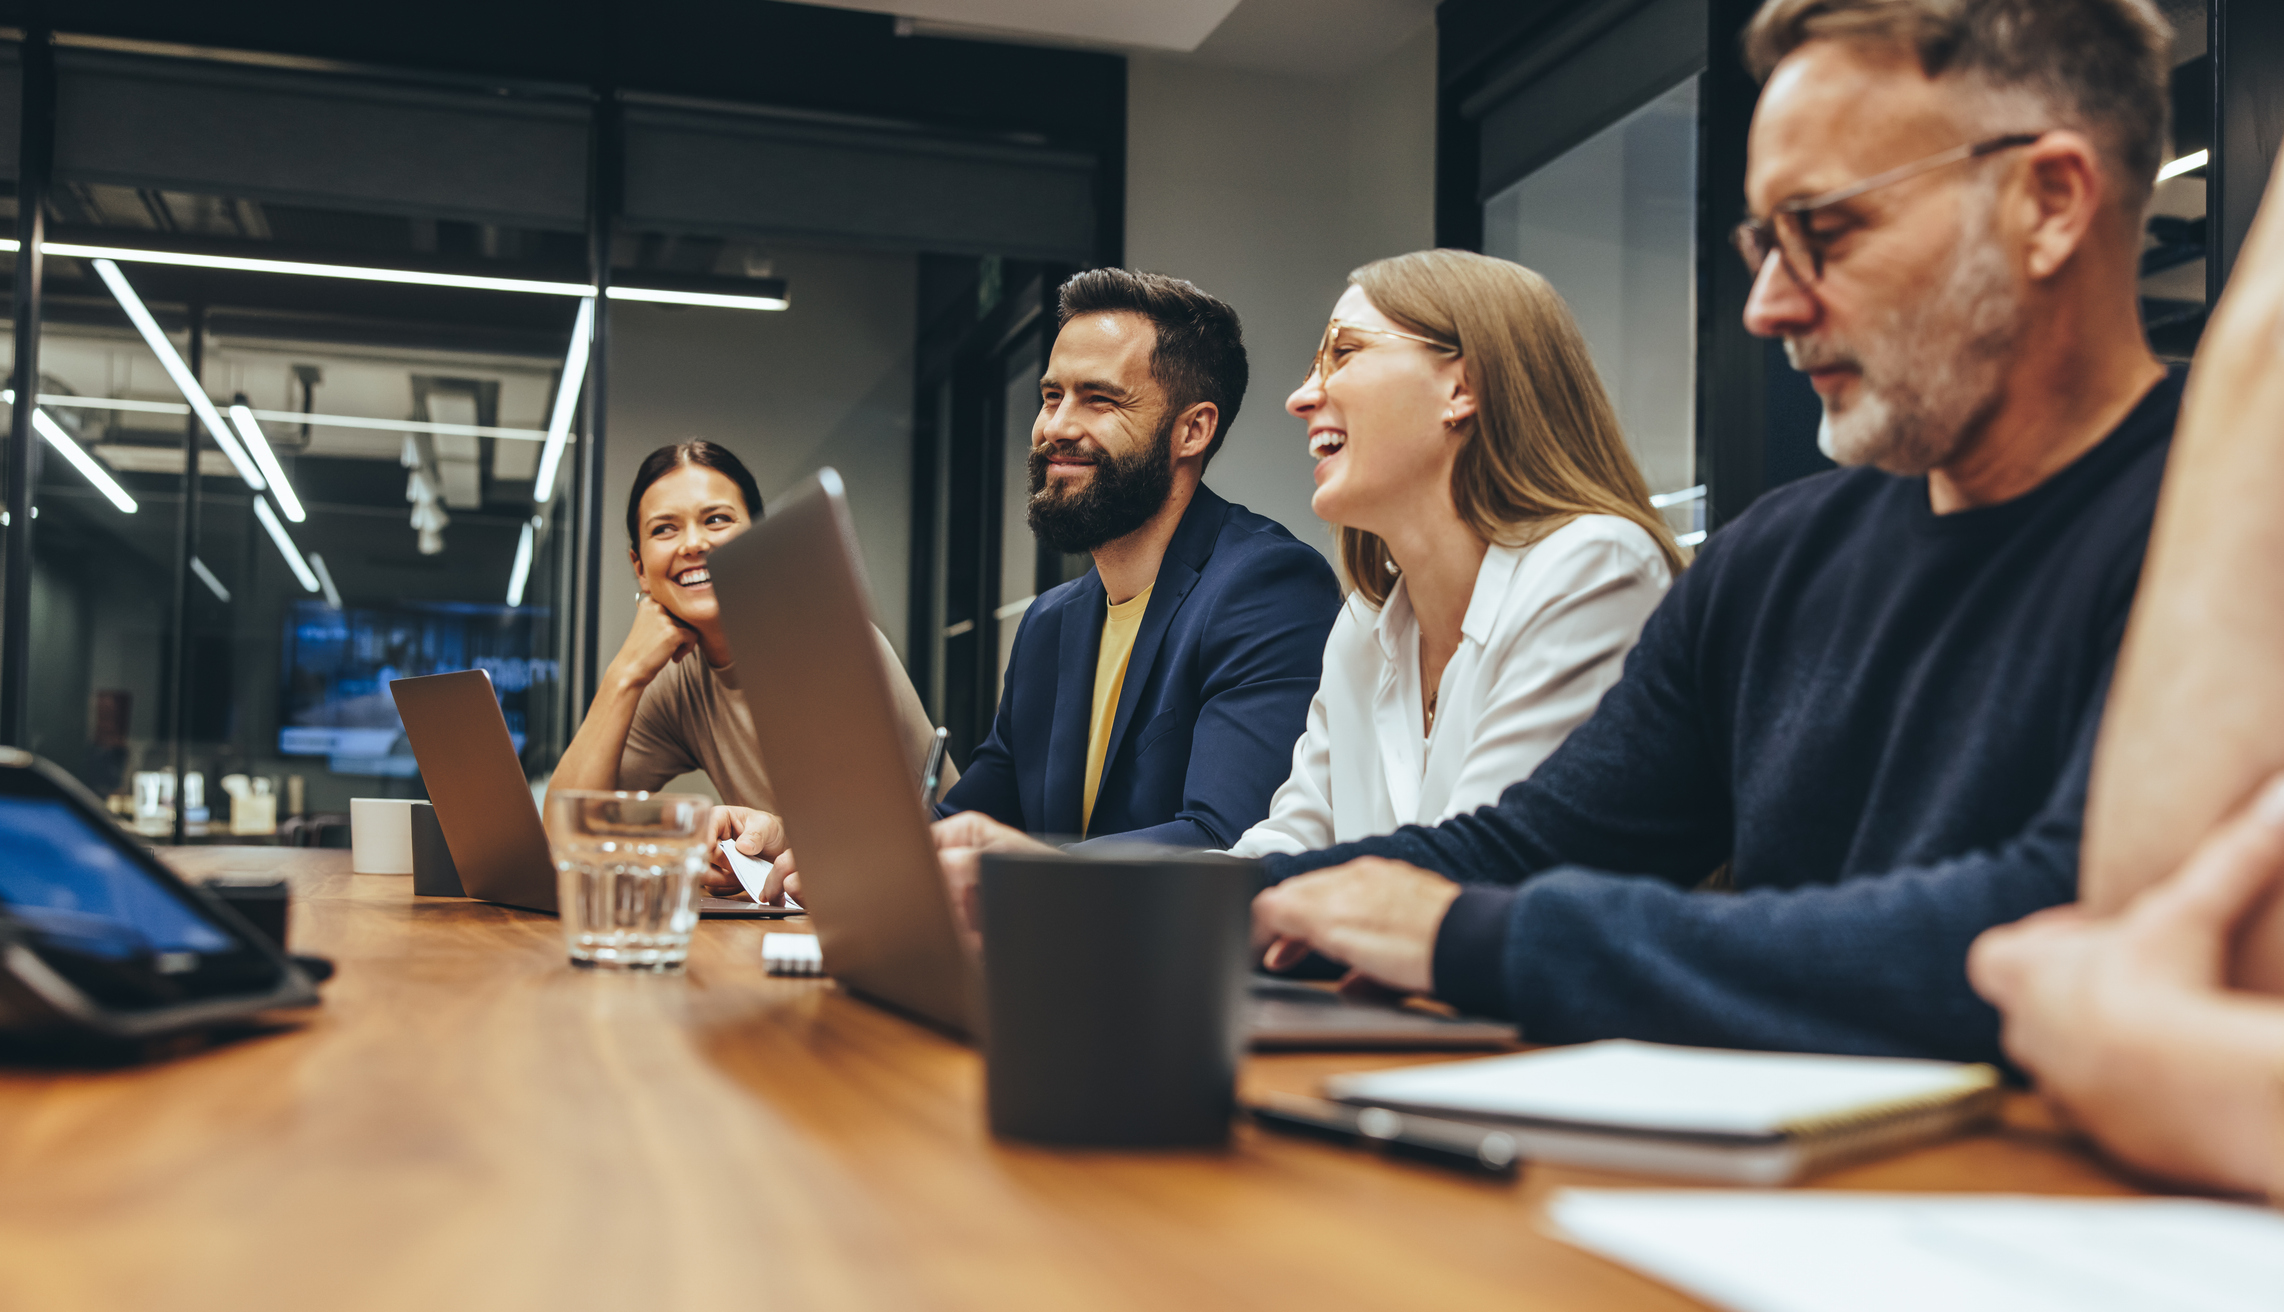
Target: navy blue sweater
column 1880, row 718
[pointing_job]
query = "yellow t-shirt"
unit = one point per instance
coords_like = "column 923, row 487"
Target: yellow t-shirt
column 1118, row 630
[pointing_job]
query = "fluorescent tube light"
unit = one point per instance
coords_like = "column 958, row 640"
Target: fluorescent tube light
column 720, row 300
column 1664, row 499
column 325, row 580
column 192, row 390
column 83, row 462
column 286, row 547
column 206, row 576
column 67, row 401
column 566, row 402
column 399, row 425
column 406, row 277
column 2189, row 163
column 1690, row 539
column 308, row 269
column 521, row 574
column 258, row 442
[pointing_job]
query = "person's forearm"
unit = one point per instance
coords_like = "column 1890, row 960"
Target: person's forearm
column 2197, row 1095
column 592, row 759
column 1873, row 966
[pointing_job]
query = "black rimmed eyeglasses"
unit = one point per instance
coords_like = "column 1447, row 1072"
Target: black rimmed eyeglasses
column 1786, row 232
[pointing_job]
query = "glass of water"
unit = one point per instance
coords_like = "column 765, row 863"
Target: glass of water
column 626, row 866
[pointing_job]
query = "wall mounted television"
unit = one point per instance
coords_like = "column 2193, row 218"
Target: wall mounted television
column 337, row 666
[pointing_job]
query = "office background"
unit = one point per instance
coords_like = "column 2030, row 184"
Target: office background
column 909, row 187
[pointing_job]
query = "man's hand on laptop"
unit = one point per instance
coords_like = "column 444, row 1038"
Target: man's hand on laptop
column 1378, row 916
column 961, row 841
column 758, row 834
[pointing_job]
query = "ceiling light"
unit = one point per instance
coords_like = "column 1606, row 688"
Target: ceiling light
column 286, row 548
column 720, row 300
column 308, row 269
column 2189, row 163
column 192, row 390
column 566, row 402
column 1690, row 539
column 521, row 573
column 68, row 401
column 405, row 277
column 1687, row 494
column 325, row 580
column 206, row 576
column 81, row 461
column 259, row 443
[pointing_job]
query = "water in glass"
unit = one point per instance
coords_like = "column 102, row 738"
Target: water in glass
column 627, row 866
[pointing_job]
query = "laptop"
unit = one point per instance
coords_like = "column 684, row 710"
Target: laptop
column 483, row 803
column 792, row 593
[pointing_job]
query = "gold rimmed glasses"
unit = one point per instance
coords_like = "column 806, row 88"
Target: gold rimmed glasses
column 1329, row 358
column 1786, row 231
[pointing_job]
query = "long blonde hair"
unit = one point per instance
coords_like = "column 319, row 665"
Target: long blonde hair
column 1543, row 446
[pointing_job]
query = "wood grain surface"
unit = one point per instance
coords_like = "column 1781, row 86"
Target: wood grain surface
column 468, row 1122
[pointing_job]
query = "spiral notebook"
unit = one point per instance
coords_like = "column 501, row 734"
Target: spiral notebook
column 1694, row 1113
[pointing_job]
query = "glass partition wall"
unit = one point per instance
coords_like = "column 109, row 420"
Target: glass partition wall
column 1612, row 223
column 211, row 651
column 329, row 358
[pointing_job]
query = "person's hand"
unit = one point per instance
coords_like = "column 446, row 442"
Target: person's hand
column 2110, row 1014
column 758, row 834
column 1376, row 915
column 961, row 841
column 657, row 640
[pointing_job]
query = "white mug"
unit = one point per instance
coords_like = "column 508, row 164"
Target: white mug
column 380, row 835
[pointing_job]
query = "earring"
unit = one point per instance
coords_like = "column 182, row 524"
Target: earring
column 1392, row 567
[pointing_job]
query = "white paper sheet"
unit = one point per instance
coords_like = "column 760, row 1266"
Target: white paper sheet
column 1655, row 1086
column 1806, row 1251
column 751, row 871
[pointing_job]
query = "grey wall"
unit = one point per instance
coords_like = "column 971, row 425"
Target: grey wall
column 1265, row 190
column 828, row 382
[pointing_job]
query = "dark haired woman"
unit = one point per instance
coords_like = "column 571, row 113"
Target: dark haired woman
column 670, row 702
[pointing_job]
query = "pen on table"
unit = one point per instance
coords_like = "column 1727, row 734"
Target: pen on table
column 932, row 773
column 1455, row 1144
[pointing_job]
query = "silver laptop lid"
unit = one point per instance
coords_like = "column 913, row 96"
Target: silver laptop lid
column 792, row 593
column 483, row 803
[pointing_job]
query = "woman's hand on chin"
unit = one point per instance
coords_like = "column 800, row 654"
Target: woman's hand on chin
column 657, row 640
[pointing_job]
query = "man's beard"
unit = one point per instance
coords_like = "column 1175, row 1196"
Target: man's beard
column 1122, row 495
column 1931, row 371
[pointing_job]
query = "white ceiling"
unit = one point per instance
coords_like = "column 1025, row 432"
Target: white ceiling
column 1139, row 24
column 1321, row 38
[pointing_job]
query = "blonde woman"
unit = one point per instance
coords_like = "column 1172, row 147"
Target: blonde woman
column 1497, row 535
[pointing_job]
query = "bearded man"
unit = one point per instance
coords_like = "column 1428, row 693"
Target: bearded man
column 1159, row 696
column 1873, row 699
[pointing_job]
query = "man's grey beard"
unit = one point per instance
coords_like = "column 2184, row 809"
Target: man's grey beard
column 1932, row 367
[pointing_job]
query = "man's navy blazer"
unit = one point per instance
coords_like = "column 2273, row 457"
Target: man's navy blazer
column 1216, row 692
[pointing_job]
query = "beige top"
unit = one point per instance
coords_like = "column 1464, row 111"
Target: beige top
column 694, row 717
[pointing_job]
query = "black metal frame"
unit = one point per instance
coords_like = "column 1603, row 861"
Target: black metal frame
column 35, row 164
column 1756, row 416
column 967, row 350
column 2247, row 46
column 605, row 139
column 187, row 525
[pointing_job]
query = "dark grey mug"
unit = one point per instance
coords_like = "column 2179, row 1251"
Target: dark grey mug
column 1114, row 994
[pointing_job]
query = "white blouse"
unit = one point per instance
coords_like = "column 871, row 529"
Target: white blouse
column 1546, row 633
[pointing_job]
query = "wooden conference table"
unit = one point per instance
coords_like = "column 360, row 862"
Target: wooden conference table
column 470, row 1123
